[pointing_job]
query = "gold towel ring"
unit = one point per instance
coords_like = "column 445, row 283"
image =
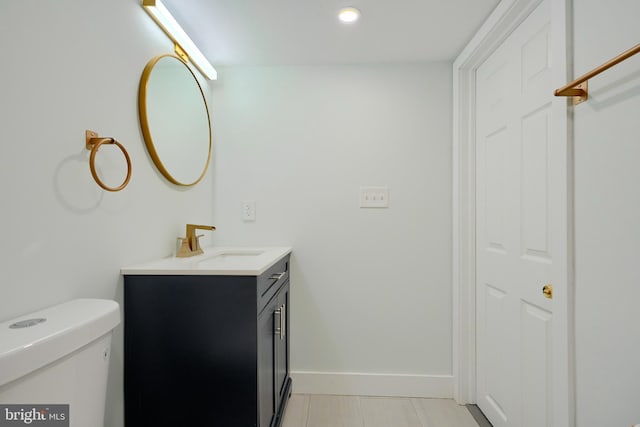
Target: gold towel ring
column 93, row 143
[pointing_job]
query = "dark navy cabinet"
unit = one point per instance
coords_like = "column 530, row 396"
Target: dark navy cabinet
column 207, row 350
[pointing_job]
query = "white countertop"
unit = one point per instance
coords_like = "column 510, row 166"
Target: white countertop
column 216, row 261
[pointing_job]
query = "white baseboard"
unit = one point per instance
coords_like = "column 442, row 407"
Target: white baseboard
column 367, row 384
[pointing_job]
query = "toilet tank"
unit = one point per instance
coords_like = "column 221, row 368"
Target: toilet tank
column 61, row 360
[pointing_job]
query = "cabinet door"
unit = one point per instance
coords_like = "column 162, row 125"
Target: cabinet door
column 281, row 344
column 266, row 352
column 190, row 351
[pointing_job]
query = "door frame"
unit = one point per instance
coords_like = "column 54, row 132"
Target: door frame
column 506, row 17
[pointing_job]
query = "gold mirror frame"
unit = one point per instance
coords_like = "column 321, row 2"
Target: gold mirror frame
column 146, row 129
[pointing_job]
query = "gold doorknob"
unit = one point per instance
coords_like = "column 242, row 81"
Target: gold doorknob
column 547, row 291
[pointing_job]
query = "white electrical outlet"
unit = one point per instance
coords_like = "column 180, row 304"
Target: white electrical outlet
column 249, row 211
column 374, row 197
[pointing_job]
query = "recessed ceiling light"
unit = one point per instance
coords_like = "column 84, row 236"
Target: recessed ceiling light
column 349, row 14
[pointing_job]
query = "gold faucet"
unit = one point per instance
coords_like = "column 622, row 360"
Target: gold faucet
column 190, row 245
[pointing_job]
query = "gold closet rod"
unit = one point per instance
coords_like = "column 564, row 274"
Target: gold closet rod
column 579, row 87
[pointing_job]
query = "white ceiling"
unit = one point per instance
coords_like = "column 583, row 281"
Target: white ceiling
column 307, row 32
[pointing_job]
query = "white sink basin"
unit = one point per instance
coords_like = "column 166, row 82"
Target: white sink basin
column 233, row 253
column 227, row 257
column 234, row 261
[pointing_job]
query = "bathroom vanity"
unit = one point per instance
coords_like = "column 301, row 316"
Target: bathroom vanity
column 206, row 339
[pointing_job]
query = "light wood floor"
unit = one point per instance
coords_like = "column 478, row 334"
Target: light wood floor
column 353, row 411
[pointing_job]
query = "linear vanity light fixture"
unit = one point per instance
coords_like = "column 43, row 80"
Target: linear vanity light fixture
column 185, row 47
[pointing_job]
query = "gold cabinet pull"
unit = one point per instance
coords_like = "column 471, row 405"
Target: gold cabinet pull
column 547, row 291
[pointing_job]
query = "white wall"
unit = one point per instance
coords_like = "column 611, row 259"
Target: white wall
column 68, row 66
column 371, row 289
column 607, row 211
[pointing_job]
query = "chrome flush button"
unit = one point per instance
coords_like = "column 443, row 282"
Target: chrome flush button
column 26, row 323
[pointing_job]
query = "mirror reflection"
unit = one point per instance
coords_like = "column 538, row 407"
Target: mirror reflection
column 175, row 120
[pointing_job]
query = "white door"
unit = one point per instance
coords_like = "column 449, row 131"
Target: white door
column 514, row 183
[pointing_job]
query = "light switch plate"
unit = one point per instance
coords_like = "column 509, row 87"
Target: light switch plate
column 249, row 210
column 374, row 197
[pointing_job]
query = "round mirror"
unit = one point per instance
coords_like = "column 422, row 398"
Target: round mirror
column 175, row 120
